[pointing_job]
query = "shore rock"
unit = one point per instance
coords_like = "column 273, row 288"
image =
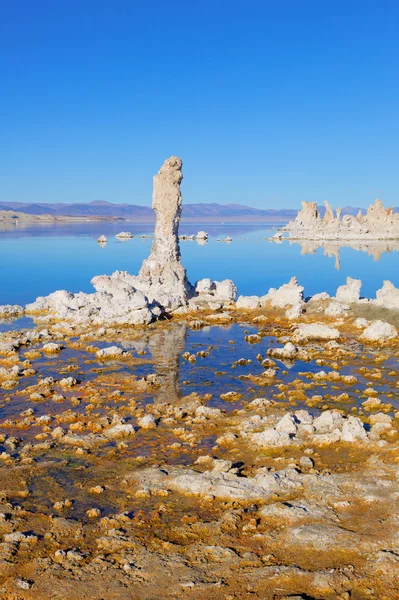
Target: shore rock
column 250, row 302
column 379, row 331
column 289, row 294
column 315, row 331
column 350, row 292
column 11, row 310
column 387, row 296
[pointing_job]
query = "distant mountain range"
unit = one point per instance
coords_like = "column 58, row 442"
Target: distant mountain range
column 133, row 212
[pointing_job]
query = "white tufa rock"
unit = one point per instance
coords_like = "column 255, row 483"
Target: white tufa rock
column 11, row 310
column 360, row 323
column 110, row 352
column 147, row 422
column 387, row 296
column 294, row 312
column 350, row 292
column 379, row 331
column 377, row 224
column 287, row 424
column 124, row 235
column 205, row 286
column 320, row 297
column 315, row 331
column 271, row 437
column 336, row 309
column 162, row 275
column 289, row 294
column 250, row 302
column 353, row 430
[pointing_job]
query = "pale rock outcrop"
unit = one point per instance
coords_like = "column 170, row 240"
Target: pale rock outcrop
column 222, row 485
column 322, row 297
column 11, row 311
column 147, row 422
column 162, row 276
column 289, row 352
column 250, row 302
column 350, row 292
column 315, row 331
column 205, row 286
column 124, row 235
column 212, row 295
column 115, row 301
column 110, row 352
column 52, row 347
column 379, row 331
column 353, row 430
column 336, row 309
column 288, row 424
column 289, row 294
column 202, row 235
column 294, row 312
column 225, row 290
column 387, row 296
column 377, row 224
column 361, row 323
column 271, row 437
column 102, row 239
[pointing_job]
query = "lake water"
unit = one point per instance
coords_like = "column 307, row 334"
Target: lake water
column 38, row 259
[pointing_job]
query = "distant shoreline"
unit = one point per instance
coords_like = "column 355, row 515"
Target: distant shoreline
column 10, row 217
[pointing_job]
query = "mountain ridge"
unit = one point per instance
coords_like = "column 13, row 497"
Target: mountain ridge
column 211, row 210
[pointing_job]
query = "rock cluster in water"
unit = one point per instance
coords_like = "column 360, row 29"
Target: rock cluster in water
column 377, row 224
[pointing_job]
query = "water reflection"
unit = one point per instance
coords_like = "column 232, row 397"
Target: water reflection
column 374, row 248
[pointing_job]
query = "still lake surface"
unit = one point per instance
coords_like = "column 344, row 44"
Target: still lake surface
column 38, row 259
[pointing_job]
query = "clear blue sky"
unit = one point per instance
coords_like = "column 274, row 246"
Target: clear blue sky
column 268, row 102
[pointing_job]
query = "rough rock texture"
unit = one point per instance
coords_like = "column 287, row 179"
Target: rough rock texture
column 289, row 294
column 10, row 310
column 115, row 301
column 378, row 223
column 336, row 309
column 387, row 296
column 162, row 275
column 379, row 331
column 248, row 302
column 350, row 292
column 315, row 331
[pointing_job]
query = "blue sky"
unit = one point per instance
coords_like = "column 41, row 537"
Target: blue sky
column 268, row 102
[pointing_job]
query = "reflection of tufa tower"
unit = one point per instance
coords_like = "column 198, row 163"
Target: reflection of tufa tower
column 166, row 348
